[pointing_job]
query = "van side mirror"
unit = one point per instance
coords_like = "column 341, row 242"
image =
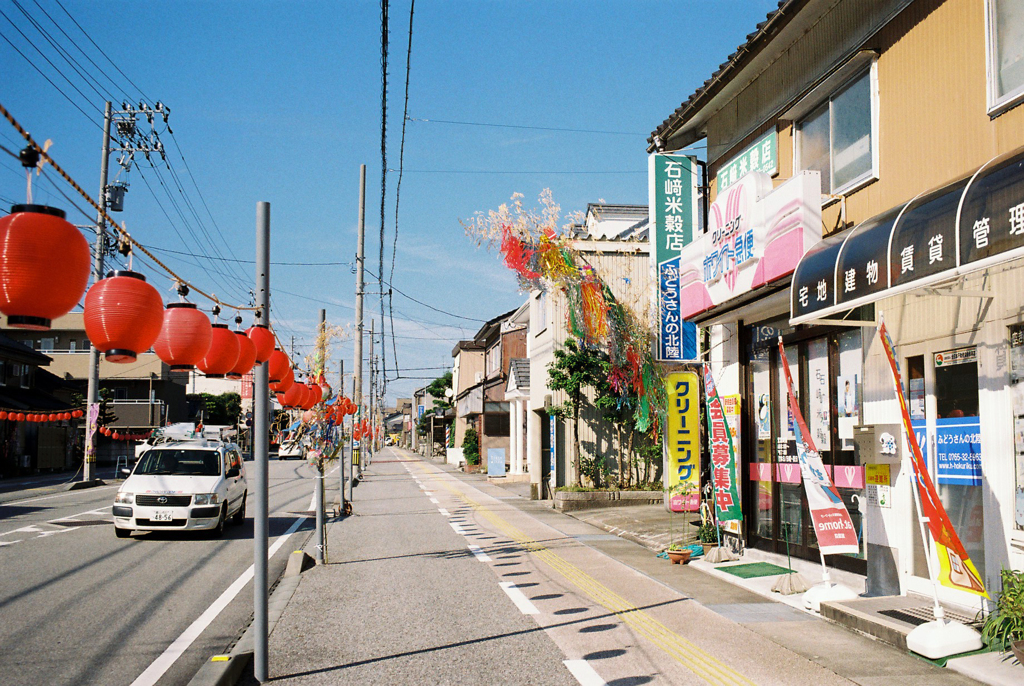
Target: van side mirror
column 126, row 471
column 231, row 473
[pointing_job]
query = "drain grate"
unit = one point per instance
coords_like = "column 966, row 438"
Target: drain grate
column 922, row 615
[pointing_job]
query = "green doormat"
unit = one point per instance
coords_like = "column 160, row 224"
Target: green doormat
column 754, row 569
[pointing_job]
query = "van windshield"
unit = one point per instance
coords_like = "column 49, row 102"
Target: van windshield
column 181, row 462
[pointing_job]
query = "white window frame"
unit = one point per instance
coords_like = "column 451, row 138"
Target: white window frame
column 996, row 104
column 872, row 174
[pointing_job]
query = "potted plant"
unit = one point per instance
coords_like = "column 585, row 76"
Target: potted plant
column 678, row 553
column 1004, row 627
column 708, row 535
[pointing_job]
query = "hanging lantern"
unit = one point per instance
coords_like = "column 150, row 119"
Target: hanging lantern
column 284, row 384
column 357, row 433
column 184, row 337
column 246, row 357
column 263, row 339
column 116, row 436
column 280, row 399
column 44, row 266
column 66, row 416
column 78, row 414
column 123, row 315
column 3, row 415
column 308, row 398
column 293, row 395
column 222, row 355
column 54, row 417
column 279, row 365
column 317, row 392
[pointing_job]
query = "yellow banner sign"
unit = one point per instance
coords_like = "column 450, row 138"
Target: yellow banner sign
column 682, row 434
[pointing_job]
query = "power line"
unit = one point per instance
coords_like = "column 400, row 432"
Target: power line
column 523, row 126
column 398, row 187
column 383, row 150
column 280, row 264
column 506, row 171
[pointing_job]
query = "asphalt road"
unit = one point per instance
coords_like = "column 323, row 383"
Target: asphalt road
column 80, row 606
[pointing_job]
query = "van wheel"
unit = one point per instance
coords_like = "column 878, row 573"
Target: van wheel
column 239, row 516
column 122, row 533
column 218, row 531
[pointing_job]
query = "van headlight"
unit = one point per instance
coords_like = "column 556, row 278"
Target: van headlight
column 123, row 498
column 205, row 499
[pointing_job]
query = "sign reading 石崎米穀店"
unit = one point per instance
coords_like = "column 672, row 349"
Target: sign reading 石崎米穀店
column 761, row 156
column 673, row 184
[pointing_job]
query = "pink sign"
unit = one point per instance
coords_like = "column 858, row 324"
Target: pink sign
column 680, row 503
column 761, row 471
column 847, row 476
column 787, row 472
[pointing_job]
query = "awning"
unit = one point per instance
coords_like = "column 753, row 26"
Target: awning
column 967, row 225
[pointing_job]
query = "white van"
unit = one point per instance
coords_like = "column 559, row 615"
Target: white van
column 183, row 486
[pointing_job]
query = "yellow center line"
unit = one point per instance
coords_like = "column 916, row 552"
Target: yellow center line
column 697, row 660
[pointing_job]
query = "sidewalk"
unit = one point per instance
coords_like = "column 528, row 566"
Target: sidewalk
column 639, row 532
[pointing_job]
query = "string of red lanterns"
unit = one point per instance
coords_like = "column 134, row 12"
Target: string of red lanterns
column 19, row 416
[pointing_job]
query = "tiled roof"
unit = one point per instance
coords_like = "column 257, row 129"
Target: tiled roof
column 767, row 29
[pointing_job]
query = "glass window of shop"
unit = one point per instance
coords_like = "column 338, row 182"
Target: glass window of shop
column 826, row 366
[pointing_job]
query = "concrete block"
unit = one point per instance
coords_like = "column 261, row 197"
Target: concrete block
column 78, row 485
column 298, row 562
column 222, row 670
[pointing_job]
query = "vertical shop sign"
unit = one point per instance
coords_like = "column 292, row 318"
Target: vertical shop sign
column 673, row 185
column 832, row 524
column 955, row 567
column 724, row 473
column 762, row 155
column 1017, row 393
column 682, row 434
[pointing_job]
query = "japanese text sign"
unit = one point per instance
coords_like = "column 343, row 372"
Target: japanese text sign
column 682, row 434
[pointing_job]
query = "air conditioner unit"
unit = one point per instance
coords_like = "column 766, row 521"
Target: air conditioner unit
column 479, row 377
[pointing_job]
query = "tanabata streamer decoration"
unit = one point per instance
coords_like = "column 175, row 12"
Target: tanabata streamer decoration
column 544, row 259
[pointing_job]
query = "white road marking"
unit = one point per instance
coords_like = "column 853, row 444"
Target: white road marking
column 457, row 528
column 444, row 512
column 60, row 495
column 30, row 529
column 519, row 598
column 584, row 673
column 480, row 554
column 189, row 635
column 434, row 500
column 428, row 494
column 3, row 543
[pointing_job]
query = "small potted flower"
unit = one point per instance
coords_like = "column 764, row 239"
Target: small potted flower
column 678, row 553
column 708, row 535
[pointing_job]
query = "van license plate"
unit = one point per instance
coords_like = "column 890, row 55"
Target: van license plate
column 162, row 516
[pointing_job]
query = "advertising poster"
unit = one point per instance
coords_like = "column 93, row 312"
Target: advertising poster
column 724, row 473
column 848, row 407
column 958, row 450
column 682, row 434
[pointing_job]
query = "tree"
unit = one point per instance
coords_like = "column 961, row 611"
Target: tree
column 217, row 409
column 437, row 389
column 576, row 368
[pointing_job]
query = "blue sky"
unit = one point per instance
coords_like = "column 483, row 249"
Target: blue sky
column 281, row 101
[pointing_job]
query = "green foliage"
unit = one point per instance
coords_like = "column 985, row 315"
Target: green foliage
column 423, row 425
column 707, row 532
column 217, row 409
column 437, row 389
column 1006, row 623
column 576, row 367
column 106, row 416
column 471, row 447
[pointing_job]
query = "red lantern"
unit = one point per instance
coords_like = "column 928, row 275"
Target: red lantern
column 105, row 430
column 317, row 393
column 65, row 416
column 123, row 315
column 77, row 414
column 357, row 433
column 293, row 395
column 246, row 357
column 116, row 436
column 285, row 383
column 184, row 338
column 20, row 417
column 280, row 399
column 222, row 355
column 3, row 415
column 279, row 366
column 54, row 417
column 263, row 339
column 44, row 266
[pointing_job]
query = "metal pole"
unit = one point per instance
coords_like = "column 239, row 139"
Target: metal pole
column 261, row 449
column 93, row 392
column 369, row 446
column 357, row 379
column 321, row 540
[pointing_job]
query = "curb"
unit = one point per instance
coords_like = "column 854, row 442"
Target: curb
column 226, row 670
column 78, row 485
column 621, row 533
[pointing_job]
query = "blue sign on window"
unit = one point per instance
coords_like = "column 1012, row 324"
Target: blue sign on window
column 957, row 449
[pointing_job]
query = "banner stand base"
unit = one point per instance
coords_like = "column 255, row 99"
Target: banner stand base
column 941, row 638
column 826, row 592
column 720, row 554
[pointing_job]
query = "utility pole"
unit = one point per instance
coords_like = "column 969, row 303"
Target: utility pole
column 373, row 393
column 341, row 428
column 261, row 449
column 357, row 379
column 321, row 541
column 93, row 393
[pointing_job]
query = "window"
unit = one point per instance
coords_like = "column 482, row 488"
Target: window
column 838, row 138
column 542, row 311
column 46, row 345
column 494, row 359
column 1005, row 36
column 71, row 346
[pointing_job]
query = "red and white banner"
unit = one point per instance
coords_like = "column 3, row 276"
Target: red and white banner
column 832, row 524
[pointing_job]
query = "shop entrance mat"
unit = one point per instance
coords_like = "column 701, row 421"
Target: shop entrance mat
column 754, row 569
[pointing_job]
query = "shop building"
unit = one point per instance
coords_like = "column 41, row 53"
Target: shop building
column 894, row 167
